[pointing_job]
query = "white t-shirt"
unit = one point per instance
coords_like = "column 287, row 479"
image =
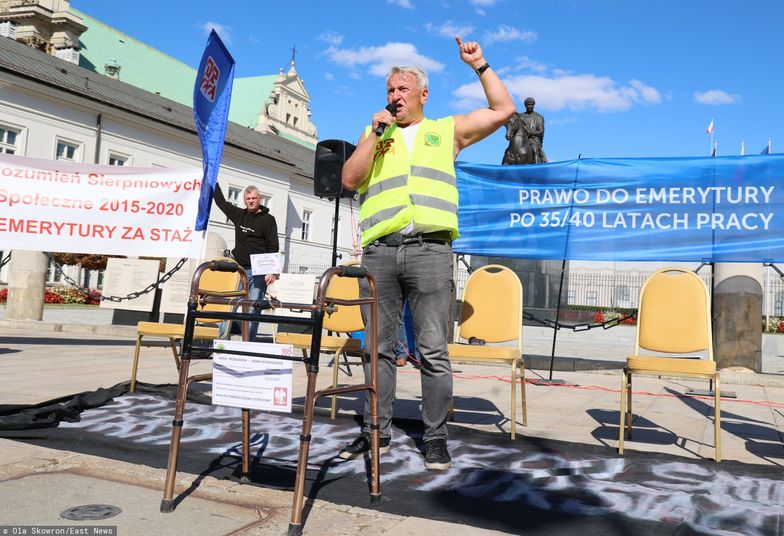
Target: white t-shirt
column 409, row 133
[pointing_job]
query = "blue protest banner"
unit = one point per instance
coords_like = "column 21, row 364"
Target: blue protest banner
column 726, row 209
column 211, row 100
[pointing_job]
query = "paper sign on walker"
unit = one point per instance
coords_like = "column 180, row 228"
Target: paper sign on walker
column 252, row 382
column 265, row 263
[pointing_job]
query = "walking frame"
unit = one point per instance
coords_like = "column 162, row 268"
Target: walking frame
column 323, row 305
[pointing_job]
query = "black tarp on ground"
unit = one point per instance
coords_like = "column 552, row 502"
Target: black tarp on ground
column 527, row 486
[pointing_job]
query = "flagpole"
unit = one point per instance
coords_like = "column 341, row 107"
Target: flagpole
column 711, row 145
column 769, row 146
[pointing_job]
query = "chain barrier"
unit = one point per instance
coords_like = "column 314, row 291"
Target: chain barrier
column 131, row 296
column 556, row 325
column 585, row 326
column 770, row 264
column 5, row 261
column 607, row 324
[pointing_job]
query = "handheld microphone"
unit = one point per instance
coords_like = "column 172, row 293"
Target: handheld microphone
column 391, row 108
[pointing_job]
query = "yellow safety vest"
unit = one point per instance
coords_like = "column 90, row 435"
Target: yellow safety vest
column 420, row 187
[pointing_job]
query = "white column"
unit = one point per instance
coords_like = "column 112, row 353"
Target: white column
column 737, row 315
column 26, row 282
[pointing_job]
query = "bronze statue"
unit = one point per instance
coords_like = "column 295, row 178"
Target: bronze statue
column 525, row 132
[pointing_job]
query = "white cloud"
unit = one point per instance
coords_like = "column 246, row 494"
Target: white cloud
column 329, row 76
column 379, row 60
column 450, row 29
column 570, row 91
column 222, row 30
column 485, row 3
column 714, row 96
column 331, row 38
column 647, row 93
column 506, row 33
column 402, row 3
column 526, row 63
column 562, row 121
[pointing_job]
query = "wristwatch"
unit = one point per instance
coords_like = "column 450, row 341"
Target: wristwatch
column 482, row 69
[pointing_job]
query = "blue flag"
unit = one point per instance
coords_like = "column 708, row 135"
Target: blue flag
column 211, row 99
column 722, row 209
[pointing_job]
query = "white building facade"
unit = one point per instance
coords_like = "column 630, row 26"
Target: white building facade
column 55, row 110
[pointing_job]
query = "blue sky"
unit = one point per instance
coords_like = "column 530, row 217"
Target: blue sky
column 613, row 78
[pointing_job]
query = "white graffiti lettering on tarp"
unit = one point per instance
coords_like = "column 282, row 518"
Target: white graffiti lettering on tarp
column 707, row 499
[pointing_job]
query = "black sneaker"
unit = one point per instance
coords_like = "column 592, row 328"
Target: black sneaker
column 437, row 455
column 361, row 445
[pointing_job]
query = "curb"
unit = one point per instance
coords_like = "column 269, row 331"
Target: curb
column 59, row 327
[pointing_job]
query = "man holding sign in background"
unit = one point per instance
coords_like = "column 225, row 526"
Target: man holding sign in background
column 255, row 232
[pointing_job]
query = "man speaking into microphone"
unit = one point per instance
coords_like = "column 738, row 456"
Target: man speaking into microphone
column 403, row 169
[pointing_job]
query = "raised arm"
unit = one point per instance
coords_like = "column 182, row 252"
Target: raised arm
column 220, row 200
column 480, row 123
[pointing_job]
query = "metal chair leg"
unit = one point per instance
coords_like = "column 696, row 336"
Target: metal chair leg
column 175, row 352
column 135, row 368
column 513, row 376
column 629, row 405
column 245, row 475
column 622, row 419
column 717, row 419
column 167, row 503
column 523, row 401
column 335, row 372
column 295, row 526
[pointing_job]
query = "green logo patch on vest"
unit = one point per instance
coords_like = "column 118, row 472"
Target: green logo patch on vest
column 433, row 139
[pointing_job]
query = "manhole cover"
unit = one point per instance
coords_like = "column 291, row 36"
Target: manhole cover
column 92, row 512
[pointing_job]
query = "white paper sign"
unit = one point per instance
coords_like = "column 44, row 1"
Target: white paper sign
column 177, row 290
column 123, row 276
column 294, row 288
column 252, row 382
column 265, row 263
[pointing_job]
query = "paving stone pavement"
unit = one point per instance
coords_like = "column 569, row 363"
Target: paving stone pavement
column 77, row 350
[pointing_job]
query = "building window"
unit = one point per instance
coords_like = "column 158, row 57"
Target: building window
column 117, row 160
column 233, row 197
column 8, row 29
column 53, row 275
column 66, row 151
column 265, row 200
column 590, row 297
column 306, row 214
column 778, row 304
column 622, row 296
column 8, row 138
column 69, row 54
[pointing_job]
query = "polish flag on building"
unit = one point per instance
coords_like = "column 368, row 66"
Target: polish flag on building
column 709, row 130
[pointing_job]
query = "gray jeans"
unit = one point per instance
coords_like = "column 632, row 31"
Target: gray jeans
column 422, row 274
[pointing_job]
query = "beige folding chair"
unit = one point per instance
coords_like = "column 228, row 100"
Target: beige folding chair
column 211, row 282
column 492, row 313
column 673, row 318
column 346, row 319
